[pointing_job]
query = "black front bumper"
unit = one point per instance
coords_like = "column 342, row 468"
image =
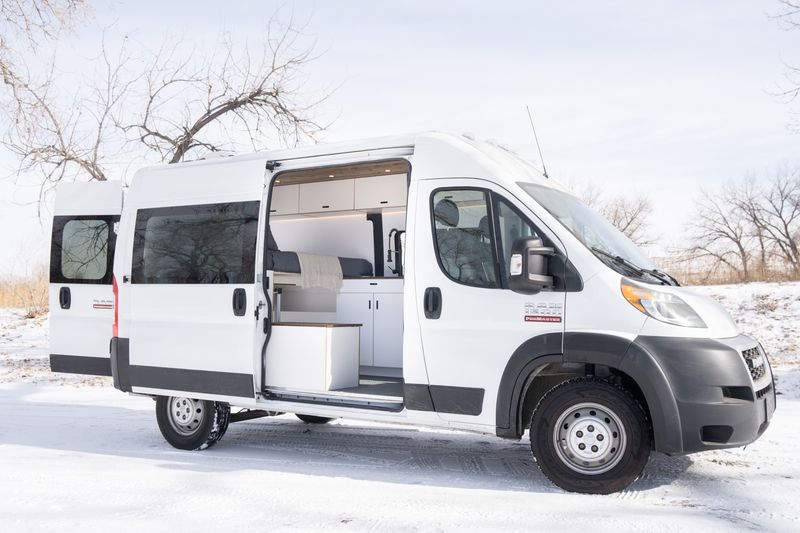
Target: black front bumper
column 718, row 393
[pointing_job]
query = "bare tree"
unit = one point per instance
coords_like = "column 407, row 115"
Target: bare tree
column 752, row 221
column 778, row 215
column 720, row 233
column 197, row 105
column 166, row 103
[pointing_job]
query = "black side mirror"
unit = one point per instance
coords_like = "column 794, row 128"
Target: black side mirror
column 528, row 266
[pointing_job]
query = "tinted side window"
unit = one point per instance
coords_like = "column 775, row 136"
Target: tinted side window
column 464, row 242
column 82, row 249
column 212, row 243
column 511, row 225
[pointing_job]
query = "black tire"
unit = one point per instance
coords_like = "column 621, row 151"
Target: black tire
column 197, row 433
column 578, row 469
column 308, row 419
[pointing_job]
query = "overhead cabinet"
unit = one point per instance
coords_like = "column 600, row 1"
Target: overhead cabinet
column 326, row 196
column 381, row 191
column 339, row 195
column 285, row 200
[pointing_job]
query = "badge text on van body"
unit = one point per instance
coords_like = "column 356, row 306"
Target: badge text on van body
column 543, row 312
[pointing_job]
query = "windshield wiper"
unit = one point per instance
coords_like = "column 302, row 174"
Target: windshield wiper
column 664, row 278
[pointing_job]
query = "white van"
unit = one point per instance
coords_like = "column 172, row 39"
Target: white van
column 427, row 279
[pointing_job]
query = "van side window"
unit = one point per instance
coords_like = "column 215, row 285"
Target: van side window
column 463, row 236
column 511, row 225
column 82, row 249
column 212, row 243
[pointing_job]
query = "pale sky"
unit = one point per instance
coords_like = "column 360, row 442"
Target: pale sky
column 659, row 98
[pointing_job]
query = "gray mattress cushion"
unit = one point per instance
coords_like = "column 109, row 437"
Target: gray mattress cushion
column 351, row 268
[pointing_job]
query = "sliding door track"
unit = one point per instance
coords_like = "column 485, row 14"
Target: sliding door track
column 339, row 399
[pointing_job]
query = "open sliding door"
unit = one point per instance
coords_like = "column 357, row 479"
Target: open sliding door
column 189, row 281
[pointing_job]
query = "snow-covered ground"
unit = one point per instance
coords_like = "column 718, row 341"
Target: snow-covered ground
column 77, row 454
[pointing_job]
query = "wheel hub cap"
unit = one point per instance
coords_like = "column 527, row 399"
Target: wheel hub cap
column 589, row 438
column 185, row 414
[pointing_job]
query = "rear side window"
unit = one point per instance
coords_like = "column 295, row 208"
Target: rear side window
column 211, row 243
column 82, row 249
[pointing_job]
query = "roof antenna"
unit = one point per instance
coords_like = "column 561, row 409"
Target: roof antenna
column 536, row 138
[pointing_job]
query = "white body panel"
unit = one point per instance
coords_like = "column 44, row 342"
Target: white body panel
column 93, row 198
column 84, row 328
column 190, row 325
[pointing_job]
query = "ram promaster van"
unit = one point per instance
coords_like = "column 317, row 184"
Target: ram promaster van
column 426, row 279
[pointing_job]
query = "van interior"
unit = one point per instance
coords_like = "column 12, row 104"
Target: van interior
column 335, row 249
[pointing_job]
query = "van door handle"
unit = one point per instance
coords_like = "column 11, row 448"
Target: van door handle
column 64, row 298
column 432, row 303
column 239, row 302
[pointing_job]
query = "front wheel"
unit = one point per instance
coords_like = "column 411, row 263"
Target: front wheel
column 189, row 424
column 590, row 436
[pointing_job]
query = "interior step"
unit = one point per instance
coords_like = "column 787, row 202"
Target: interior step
column 381, row 371
column 377, row 386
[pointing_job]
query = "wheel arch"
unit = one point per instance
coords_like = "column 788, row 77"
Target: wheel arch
column 581, row 353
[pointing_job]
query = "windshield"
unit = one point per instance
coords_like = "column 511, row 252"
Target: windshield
column 594, row 231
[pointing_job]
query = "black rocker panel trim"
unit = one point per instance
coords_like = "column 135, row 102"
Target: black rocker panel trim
column 127, row 376
column 79, row 364
column 417, row 397
column 443, row 399
column 457, row 400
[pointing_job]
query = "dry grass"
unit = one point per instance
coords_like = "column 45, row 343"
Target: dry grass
column 29, row 293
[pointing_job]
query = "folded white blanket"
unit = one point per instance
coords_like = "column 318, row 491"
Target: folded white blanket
column 323, row 271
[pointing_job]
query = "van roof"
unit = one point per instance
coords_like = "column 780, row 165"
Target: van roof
column 487, row 158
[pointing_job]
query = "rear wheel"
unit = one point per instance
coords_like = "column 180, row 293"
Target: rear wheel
column 588, row 435
column 190, row 424
column 308, row 419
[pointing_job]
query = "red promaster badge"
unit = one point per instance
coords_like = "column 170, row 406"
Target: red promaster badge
column 539, row 318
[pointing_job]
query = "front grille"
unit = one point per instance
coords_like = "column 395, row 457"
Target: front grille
column 756, row 362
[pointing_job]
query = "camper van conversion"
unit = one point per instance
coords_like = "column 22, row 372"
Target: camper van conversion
column 426, row 279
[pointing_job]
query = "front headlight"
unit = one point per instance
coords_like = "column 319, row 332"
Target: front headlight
column 663, row 306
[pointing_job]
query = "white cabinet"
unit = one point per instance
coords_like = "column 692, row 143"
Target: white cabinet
column 387, row 330
column 381, row 191
column 312, row 357
column 326, row 196
column 356, row 308
column 285, row 200
column 378, row 306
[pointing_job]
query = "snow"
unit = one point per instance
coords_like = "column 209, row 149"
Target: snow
column 77, row 454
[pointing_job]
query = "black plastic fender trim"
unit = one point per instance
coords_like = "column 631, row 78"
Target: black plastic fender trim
column 531, row 354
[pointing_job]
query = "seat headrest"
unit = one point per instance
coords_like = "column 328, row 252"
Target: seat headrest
column 483, row 226
column 446, row 212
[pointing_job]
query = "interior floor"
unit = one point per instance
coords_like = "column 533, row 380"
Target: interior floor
column 377, row 386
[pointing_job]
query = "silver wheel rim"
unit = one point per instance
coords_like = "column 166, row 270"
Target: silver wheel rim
column 186, row 415
column 589, row 438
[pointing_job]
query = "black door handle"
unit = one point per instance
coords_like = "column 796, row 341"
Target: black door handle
column 239, row 302
column 64, row 298
column 432, row 302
